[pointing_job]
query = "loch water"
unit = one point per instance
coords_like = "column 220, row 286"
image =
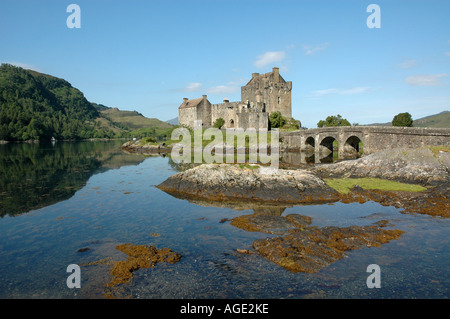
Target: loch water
column 74, row 202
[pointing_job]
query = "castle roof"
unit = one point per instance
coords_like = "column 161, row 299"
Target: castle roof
column 191, row 103
column 258, row 78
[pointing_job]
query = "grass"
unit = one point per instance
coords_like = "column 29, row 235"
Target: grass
column 343, row 185
column 249, row 166
column 437, row 149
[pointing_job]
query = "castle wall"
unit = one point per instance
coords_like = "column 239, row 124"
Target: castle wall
column 227, row 111
column 278, row 98
column 264, row 94
column 187, row 116
column 204, row 113
column 272, row 90
column 255, row 120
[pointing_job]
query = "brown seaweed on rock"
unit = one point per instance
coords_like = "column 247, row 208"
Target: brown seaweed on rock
column 139, row 256
column 310, row 249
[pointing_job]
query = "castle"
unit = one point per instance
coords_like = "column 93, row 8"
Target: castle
column 261, row 96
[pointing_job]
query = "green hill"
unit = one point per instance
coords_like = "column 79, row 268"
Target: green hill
column 438, row 120
column 132, row 119
column 37, row 106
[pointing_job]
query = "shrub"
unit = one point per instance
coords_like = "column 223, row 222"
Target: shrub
column 402, row 119
column 219, row 123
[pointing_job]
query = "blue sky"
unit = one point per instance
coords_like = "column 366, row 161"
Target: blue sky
column 146, row 55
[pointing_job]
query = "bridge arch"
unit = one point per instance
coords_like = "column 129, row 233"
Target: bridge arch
column 353, row 146
column 328, row 148
column 310, row 143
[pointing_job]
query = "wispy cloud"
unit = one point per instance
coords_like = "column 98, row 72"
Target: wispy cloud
column 355, row 90
column 407, row 64
column 312, row 49
column 425, row 79
column 269, row 58
column 447, row 53
column 193, row 86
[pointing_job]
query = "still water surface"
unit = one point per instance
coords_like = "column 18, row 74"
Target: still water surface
column 55, row 200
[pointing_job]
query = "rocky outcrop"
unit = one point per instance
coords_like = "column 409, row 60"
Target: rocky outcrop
column 435, row 201
column 222, row 182
column 421, row 166
column 148, row 149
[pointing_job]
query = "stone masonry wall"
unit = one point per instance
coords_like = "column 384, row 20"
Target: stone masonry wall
column 374, row 138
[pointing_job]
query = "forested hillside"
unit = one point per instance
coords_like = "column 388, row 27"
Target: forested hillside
column 36, row 106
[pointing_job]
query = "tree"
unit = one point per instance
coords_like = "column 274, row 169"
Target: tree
column 276, row 120
column 219, row 123
column 333, row 120
column 402, row 119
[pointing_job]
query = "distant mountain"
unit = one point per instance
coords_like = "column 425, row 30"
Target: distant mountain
column 440, row 120
column 173, row 121
column 37, row 106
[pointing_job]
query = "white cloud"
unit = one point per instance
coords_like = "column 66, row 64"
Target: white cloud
column 222, row 89
column 425, row 79
column 311, row 49
column 355, row 90
column 407, row 64
column 193, row 86
column 269, row 58
column 447, row 53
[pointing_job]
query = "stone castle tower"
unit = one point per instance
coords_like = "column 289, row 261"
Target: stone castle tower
column 261, row 96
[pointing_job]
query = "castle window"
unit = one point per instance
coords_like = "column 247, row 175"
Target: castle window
column 279, row 100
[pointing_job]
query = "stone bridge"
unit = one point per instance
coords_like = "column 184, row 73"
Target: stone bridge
column 350, row 139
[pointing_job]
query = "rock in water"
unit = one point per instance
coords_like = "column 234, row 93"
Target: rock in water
column 237, row 182
column 312, row 249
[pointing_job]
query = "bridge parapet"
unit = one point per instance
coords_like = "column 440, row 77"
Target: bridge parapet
column 373, row 138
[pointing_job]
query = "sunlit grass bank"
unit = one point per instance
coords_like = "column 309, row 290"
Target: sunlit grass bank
column 343, row 185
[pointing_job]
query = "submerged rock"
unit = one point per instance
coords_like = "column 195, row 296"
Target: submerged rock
column 270, row 223
column 139, row 256
column 221, row 182
column 311, row 249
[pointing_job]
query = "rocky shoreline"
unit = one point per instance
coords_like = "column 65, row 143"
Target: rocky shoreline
column 239, row 182
column 146, row 149
column 299, row 247
column 222, row 182
column 296, row 245
column 425, row 166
